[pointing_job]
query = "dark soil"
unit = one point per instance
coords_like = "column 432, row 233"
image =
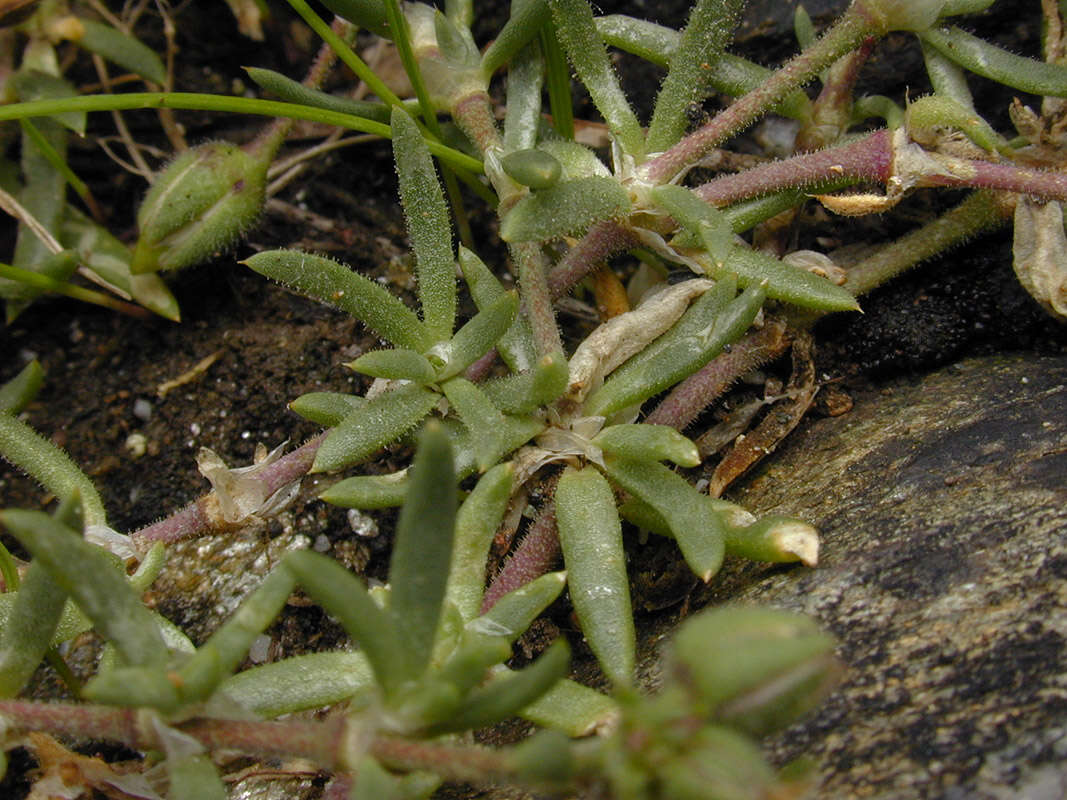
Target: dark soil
column 271, row 345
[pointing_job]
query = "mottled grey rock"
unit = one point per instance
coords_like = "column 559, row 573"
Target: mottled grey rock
column 942, row 503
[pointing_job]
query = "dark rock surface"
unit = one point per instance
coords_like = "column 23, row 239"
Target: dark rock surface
column 942, row 503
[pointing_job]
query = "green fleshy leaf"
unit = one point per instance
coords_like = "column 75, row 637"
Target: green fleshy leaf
column 505, row 696
column 194, row 777
column 372, row 426
column 654, row 43
column 516, row 345
column 644, row 442
column 420, row 564
column 591, row 537
column 522, row 27
column 697, row 529
column 29, row 629
column 476, row 523
column 126, row 51
column 49, row 466
column 367, row 14
column 428, row 226
column 326, row 408
column 576, row 30
column 783, row 281
column 337, row 285
column 710, row 26
column 985, row 59
column 989, row 61
column 479, row 335
column 526, row 75
column 219, row 656
column 934, row 112
column 342, row 594
column 483, row 420
column 399, row 364
column 94, row 580
column 565, row 209
column 572, row 708
column 699, row 336
column 19, row 392
column 300, row 683
column 523, row 393
column 513, row 613
column 295, row 92
column 368, row 491
column 577, row 160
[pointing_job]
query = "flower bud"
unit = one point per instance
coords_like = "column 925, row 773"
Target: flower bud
column 754, row 669
column 534, row 168
column 201, row 203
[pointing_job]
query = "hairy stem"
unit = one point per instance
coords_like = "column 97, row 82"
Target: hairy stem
column 202, row 515
column 600, row 243
column 689, row 398
column 537, row 553
column 869, row 159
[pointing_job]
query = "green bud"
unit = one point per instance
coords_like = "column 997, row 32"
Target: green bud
column 534, row 168
column 754, row 669
column 201, row 203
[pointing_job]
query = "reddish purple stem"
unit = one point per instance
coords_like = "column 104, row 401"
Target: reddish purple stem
column 197, row 517
column 701, row 389
column 536, row 554
column 870, row 159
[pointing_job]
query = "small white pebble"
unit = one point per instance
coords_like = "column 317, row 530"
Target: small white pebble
column 260, row 649
column 142, row 409
column 362, row 524
column 322, row 543
column 195, row 429
column 136, row 443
